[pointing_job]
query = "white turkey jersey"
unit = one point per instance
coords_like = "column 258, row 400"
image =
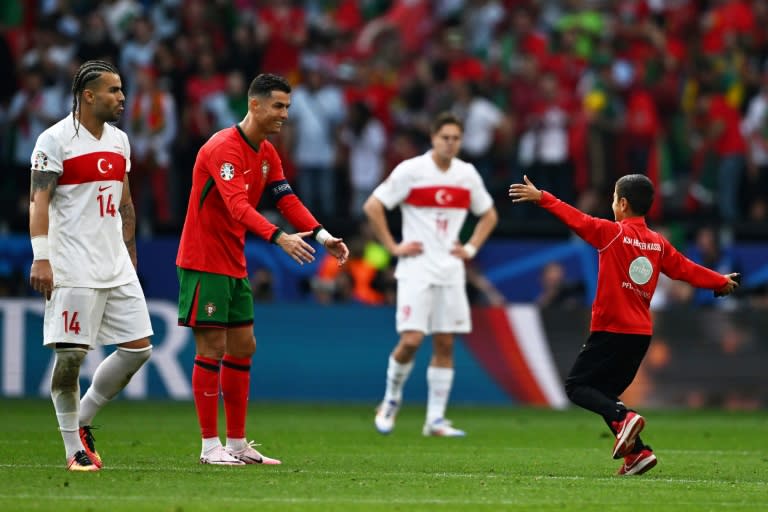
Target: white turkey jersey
column 434, row 204
column 85, row 230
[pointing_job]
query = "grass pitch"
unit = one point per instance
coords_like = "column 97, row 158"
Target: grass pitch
column 333, row 459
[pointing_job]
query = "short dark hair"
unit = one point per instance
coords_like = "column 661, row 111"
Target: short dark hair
column 444, row 119
column 265, row 83
column 637, row 189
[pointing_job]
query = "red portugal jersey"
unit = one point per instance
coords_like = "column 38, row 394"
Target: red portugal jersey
column 630, row 257
column 228, row 180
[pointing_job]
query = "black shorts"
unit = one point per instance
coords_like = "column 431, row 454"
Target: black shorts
column 609, row 361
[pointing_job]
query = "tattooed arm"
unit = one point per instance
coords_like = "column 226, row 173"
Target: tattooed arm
column 128, row 215
column 42, row 188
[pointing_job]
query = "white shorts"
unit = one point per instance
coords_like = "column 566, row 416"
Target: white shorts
column 96, row 316
column 432, row 308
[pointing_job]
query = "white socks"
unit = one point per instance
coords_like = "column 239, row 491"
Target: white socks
column 112, row 375
column 237, row 444
column 397, row 375
column 65, row 393
column 439, row 382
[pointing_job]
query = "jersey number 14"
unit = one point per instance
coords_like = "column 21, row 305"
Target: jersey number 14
column 106, row 207
column 71, row 324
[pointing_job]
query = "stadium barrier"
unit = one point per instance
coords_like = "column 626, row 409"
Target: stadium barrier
column 515, row 355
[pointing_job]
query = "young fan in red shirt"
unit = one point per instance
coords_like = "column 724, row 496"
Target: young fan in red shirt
column 631, row 256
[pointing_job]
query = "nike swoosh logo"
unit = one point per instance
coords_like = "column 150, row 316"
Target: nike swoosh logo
column 246, row 171
column 102, row 189
column 205, row 393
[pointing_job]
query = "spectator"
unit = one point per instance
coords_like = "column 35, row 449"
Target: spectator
column 317, row 111
column 365, row 139
column 151, row 127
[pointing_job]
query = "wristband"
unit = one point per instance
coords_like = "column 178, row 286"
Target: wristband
column 470, row 249
column 40, row 249
column 323, row 236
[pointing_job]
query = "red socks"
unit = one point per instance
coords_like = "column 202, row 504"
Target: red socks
column 235, row 384
column 205, row 390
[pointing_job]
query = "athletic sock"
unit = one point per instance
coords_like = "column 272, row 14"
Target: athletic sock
column 65, row 394
column 235, row 384
column 209, row 443
column 205, row 390
column 112, row 375
column 397, row 375
column 439, row 382
column 237, row 444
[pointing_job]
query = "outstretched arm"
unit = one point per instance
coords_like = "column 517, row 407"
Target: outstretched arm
column 525, row 192
column 42, row 187
column 596, row 232
column 128, row 214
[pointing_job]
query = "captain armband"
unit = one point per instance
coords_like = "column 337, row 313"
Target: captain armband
column 279, row 189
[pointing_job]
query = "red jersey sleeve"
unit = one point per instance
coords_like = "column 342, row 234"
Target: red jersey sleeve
column 286, row 200
column 678, row 267
column 226, row 168
column 598, row 233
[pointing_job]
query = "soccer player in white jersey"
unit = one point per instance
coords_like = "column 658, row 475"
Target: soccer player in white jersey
column 434, row 192
column 82, row 225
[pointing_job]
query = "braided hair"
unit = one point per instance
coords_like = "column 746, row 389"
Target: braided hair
column 87, row 73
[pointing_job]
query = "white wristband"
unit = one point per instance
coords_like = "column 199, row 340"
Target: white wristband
column 323, row 236
column 470, row 249
column 40, row 249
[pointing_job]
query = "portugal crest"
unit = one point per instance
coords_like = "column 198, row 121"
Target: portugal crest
column 264, row 169
column 210, row 308
column 227, row 171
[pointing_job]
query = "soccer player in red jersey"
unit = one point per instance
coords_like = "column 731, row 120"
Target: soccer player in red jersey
column 232, row 171
column 631, row 256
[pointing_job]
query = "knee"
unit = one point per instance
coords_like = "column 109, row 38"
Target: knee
column 409, row 344
column 137, row 356
column 442, row 344
column 570, row 389
column 242, row 350
column 66, row 369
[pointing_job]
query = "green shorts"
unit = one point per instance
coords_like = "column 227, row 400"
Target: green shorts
column 213, row 300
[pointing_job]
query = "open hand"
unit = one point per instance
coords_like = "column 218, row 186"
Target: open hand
column 338, row 249
column 524, row 192
column 295, row 246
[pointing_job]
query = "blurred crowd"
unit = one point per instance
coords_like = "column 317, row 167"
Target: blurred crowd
column 573, row 93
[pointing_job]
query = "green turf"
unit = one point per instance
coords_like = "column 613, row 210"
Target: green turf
column 513, row 459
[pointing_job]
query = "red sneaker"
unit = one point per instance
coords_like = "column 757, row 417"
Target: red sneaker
column 638, row 463
column 86, row 436
column 81, row 462
column 626, row 433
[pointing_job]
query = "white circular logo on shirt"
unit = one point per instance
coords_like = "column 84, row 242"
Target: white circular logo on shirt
column 40, row 161
column 640, row 270
column 442, row 196
column 100, row 166
column 227, row 171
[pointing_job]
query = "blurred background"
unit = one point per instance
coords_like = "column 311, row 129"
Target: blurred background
column 573, row 93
